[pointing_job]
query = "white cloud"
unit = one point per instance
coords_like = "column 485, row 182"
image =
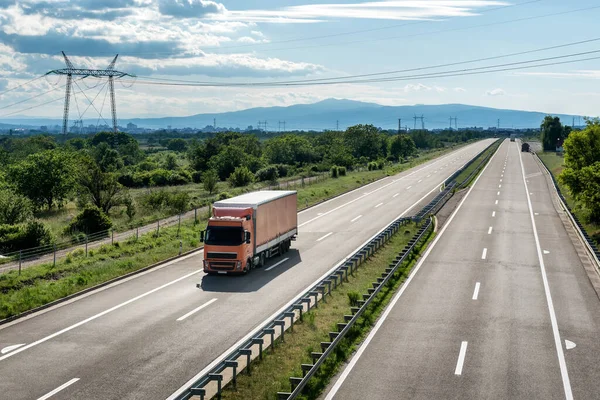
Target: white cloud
column 496, row 92
column 388, row 10
column 190, row 8
column 419, row 87
column 459, row 90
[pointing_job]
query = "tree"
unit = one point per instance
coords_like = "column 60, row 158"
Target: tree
column 90, row 220
column 402, row 146
column 582, row 168
column 552, row 132
column 365, row 140
column 45, row 178
column 209, row 180
column 108, row 159
column 179, row 145
column 101, row 189
column 14, row 208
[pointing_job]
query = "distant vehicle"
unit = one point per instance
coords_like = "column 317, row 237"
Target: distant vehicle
column 246, row 230
column 512, row 137
column 525, row 147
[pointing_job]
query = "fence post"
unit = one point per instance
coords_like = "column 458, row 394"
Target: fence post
column 137, row 234
column 54, row 262
column 195, row 215
column 180, row 246
column 157, row 227
column 112, row 237
column 86, row 245
column 179, row 226
column 20, row 258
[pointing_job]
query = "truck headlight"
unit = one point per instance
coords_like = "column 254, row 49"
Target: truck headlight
column 238, row 265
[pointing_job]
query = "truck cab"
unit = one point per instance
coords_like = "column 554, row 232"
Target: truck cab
column 228, row 241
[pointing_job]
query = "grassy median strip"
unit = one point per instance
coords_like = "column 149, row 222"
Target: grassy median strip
column 476, row 165
column 272, row 373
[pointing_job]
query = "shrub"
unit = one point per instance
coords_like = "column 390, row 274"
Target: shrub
column 179, row 202
column 372, row 166
column 209, row 180
column 334, row 171
column 270, row 174
column 24, row 236
column 197, row 177
column 283, row 170
column 223, row 196
column 342, row 171
column 380, row 164
column 241, row 176
column 14, row 208
column 90, row 220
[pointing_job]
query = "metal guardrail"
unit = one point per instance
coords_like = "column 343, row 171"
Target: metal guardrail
column 591, row 245
column 309, row 370
column 213, row 382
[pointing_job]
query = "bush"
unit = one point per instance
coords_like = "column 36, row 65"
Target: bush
column 334, row 171
column 269, row 174
column 14, row 208
column 241, row 176
column 380, row 164
column 342, row 171
column 209, row 180
column 90, row 220
column 24, row 236
column 372, row 166
column 179, row 202
column 197, row 177
column 223, row 196
column 283, row 170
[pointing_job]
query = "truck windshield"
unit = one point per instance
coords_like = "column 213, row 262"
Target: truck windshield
column 224, row 236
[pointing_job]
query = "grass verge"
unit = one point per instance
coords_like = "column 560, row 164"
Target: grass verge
column 42, row 284
column 272, row 373
column 555, row 163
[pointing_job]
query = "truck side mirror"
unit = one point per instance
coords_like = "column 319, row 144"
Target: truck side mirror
column 202, row 236
column 247, row 237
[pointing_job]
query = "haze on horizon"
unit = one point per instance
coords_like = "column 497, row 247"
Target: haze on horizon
column 233, row 42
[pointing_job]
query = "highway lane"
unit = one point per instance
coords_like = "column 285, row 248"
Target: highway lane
column 487, row 312
column 130, row 341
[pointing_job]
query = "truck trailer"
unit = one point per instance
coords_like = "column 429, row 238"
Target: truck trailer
column 244, row 231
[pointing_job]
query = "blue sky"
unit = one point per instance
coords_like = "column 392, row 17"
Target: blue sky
column 266, row 40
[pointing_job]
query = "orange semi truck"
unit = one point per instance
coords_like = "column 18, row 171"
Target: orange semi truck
column 246, row 230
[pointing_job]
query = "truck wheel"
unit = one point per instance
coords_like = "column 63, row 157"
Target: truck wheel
column 248, row 265
column 261, row 262
column 281, row 249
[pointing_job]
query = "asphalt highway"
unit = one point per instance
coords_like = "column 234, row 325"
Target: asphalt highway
column 500, row 307
column 145, row 337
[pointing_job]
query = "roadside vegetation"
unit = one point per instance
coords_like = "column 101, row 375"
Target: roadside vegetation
column 55, row 188
column 272, row 373
column 476, row 165
column 578, row 172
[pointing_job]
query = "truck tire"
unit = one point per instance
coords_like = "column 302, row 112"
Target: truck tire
column 261, row 262
column 248, row 267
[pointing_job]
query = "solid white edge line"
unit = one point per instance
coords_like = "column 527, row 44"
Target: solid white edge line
column 476, row 291
column 58, row 389
column 93, row 317
column 390, row 306
column 461, row 358
column 195, row 310
column 356, row 218
column 490, row 231
column 277, row 264
column 297, row 297
column 484, row 254
column 557, row 340
column 323, row 237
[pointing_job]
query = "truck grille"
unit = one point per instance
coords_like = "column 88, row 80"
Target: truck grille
column 221, row 256
column 222, row 266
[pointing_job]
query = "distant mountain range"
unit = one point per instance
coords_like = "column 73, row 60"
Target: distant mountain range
column 327, row 114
